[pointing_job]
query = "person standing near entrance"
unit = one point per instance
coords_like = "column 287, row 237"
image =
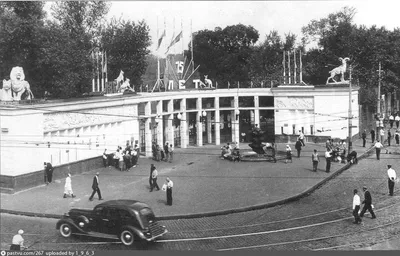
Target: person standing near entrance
column 391, row 120
column 397, row 119
column 315, row 160
column 378, row 147
column 95, row 187
column 364, row 137
column 17, row 241
column 171, row 152
column 389, row 137
column 367, row 203
column 166, row 151
column 391, row 179
column 372, row 135
column 356, row 207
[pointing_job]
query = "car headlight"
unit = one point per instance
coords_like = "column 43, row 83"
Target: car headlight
column 81, row 224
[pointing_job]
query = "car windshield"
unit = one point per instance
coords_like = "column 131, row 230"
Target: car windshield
column 146, row 215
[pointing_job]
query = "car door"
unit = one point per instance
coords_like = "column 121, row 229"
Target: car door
column 99, row 221
column 111, row 220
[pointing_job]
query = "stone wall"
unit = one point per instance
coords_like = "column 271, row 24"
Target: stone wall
column 12, row 184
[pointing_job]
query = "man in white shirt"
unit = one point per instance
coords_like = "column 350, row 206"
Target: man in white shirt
column 328, row 157
column 169, row 184
column 356, row 207
column 17, row 241
column 301, row 138
column 154, row 176
column 378, row 147
column 391, row 179
column 68, row 187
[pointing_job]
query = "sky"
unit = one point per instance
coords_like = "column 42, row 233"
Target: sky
column 264, row 16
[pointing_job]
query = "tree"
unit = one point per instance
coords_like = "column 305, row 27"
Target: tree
column 126, row 44
column 21, row 25
column 224, row 54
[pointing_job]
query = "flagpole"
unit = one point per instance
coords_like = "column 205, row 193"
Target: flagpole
column 106, row 69
column 288, row 54
column 93, row 72
column 102, row 71
column 183, row 46
column 295, row 66
column 191, row 44
column 284, row 67
column 98, row 72
column 301, row 69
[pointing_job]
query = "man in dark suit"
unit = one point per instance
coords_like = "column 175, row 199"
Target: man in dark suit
column 367, row 203
column 95, row 187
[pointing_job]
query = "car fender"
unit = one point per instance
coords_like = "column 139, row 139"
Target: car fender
column 136, row 231
column 76, row 228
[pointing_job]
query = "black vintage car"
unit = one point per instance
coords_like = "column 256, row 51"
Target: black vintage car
column 126, row 220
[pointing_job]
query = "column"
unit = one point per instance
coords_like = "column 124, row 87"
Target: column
column 184, row 130
column 160, row 126
column 235, row 121
column 170, row 122
column 147, row 130
column 209, row 127
column 256, row 111
column 199, row 128
column 217, row 125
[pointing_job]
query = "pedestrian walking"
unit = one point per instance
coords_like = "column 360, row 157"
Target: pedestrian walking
column 105, row 158
column 301, row 138
column 397, row 119
column 166, row 151
column 356, row 207
column 171, row 152
column 364, row 137
column 49, row 172
column 389, row 137
column 315, row 160
column 17, row 242
column 372, row 135
column 328, row 157
column 68, row 187
column 152, row 168
column 367, row 203
column 121, row 163
column 168, row 187
column 297, row 146
column 154, row 176
column 391, row 179
column 288, row 154
column 378, row 147
column 95, row 187
column 397, row 137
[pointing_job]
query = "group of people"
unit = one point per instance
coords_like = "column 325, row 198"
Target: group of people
column 123, row 160
column 368, row 198
column 166, row 187
column 163, row 154
column 231, row 153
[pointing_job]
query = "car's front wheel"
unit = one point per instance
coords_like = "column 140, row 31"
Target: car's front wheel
column 66, row 230
column 127, row 237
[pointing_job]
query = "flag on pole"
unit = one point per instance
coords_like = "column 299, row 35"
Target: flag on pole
column 160, row 39
column 175, row 40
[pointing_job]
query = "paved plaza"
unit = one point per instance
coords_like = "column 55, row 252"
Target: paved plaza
column 203, row 183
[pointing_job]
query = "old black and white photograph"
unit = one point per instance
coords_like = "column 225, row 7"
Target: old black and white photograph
column 199, row 126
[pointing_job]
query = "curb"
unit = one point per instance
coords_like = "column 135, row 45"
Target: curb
column 224, row 212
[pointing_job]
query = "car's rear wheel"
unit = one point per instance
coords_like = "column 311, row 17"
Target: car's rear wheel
column 127, row 237
column 66, row 230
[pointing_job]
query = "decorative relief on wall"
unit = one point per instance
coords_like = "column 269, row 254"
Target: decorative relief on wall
column 294, row 102
column 64, row 120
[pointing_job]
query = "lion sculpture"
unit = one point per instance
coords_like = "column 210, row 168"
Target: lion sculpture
column 20, row 89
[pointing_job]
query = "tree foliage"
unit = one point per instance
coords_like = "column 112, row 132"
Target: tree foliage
column 224, row 54
column 126, row 44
